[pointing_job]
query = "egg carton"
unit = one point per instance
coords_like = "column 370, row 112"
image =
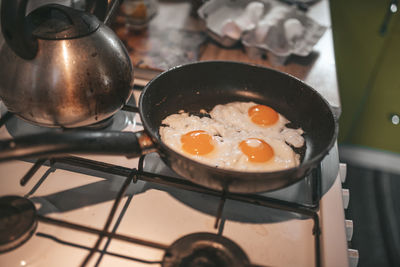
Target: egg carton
column 216, row 13
column 264, row 27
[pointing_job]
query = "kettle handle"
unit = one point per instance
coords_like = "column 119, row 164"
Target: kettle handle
column 16, row 29
column 104, row 10
column 97, row 7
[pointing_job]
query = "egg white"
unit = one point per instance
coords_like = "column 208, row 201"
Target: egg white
column 229, row 125
column 180, row 124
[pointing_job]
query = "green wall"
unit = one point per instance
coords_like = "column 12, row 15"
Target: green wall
column 368, row 69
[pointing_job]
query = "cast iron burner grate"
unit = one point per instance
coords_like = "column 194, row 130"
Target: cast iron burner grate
column 17, row 222
column 204, row 250
column 133, row 175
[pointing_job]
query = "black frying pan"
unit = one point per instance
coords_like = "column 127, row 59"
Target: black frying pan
column 198, row 86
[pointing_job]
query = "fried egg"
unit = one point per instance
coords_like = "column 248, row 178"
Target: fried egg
column 242, row 136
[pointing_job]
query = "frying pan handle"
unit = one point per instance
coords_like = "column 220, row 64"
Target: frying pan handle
column 129, row 144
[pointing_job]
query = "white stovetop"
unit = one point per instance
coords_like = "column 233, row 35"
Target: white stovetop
column 160, row 214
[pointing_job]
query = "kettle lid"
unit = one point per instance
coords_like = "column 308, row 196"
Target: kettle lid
column 56, row 22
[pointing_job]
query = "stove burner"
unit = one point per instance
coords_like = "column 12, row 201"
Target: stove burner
column 17, row 221
column 204, row 250
column 117, row 122
column 101, row 125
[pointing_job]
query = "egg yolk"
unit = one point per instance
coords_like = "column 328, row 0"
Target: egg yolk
column 197, row 142
column 263, row 115
column 256, row 150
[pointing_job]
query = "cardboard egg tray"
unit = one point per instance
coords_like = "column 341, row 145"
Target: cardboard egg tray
column 282, row 30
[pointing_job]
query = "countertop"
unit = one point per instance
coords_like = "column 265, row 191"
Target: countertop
column 317, row 70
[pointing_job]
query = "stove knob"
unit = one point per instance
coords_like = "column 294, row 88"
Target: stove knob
column 343, row 171
column 395, row 118
column 349, row 229
column 346, row 197
column 353, row 257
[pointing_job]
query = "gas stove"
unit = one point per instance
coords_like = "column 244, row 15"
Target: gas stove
column 113, row 211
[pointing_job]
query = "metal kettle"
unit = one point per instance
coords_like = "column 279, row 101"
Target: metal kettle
column 62, row 67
